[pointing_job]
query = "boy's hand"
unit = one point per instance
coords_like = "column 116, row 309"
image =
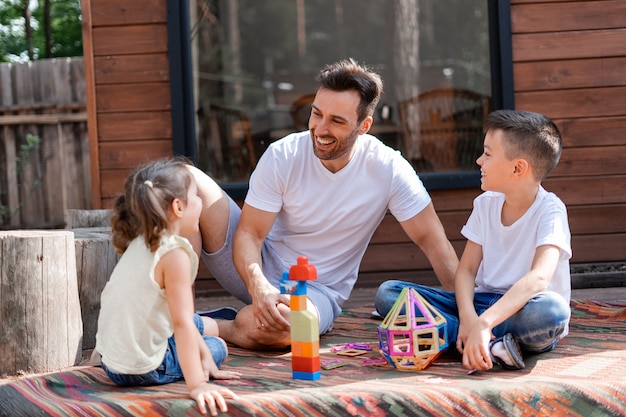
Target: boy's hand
column 462, row 336
column 465, row 327
column 213, row 396
column 476, row 353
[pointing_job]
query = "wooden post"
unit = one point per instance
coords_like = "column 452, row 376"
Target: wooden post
column 78, row 219
column 95, row 260
column 40, row 320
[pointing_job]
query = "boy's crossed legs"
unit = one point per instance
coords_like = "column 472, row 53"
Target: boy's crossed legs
column 536, row 328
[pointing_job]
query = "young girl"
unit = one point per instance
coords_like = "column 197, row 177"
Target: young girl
column 148, row 333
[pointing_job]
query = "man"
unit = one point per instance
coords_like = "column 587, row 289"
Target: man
column 319, row 193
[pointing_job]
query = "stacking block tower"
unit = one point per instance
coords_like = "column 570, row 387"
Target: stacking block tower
column 305, row 339
column 413, row 333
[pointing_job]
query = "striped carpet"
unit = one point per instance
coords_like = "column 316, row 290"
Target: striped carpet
column 583, row 376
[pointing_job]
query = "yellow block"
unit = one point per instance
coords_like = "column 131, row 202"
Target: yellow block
column 304, row 326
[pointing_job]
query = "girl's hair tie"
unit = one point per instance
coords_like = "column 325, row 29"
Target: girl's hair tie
column 148, row 183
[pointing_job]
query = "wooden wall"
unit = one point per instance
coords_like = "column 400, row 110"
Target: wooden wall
column 569, row 60
column 569, row 63
column 128, row 90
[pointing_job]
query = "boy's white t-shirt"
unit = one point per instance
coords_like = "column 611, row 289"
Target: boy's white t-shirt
column 508, row 251
column 134, row 323
column 330, row 217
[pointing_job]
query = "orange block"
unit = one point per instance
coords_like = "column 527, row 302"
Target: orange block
column 305, row 364
column 297, row 302
column 305, row 349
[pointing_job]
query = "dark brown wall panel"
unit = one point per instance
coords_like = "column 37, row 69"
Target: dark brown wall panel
column 598, row 131
column 564, row 45
column 126, row 12
column 446, row 200
column 390, row 230
column 399, row 257
column 128, row 40
column 134, row 126
column 126, row 69
column 112, row 182
column 562, row 17
column 598, row 248
column 584, row 102
column 133, row 97
column 605, row 219
column 576, row 73
column 576, row 162
column 132, row 154
column 589, row 190
column 126, row 47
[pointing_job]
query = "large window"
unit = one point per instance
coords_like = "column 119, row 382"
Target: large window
column 255, row 64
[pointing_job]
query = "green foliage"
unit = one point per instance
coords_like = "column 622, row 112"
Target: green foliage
column 65, row 30
column 26, row 151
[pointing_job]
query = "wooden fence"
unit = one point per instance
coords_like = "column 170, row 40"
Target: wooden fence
column 44, row 147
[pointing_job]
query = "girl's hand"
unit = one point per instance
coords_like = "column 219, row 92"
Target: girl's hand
column 212, row 371
column 219, row 374
column 212, row 395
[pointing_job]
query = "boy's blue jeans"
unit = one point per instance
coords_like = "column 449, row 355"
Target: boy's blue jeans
column 169, row 370
column 538, row 326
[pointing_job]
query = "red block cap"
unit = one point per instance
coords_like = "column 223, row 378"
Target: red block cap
column 303, row 270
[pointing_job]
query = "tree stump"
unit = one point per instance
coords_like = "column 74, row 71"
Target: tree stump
column 40, row 320
column 95, row 260
column 75, row 219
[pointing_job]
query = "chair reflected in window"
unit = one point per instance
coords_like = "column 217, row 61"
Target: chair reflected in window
column 442, row 129
column 226, row 146
column 301, row 111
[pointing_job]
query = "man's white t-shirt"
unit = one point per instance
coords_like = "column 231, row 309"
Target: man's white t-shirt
column 330, row 217
column 508, row 251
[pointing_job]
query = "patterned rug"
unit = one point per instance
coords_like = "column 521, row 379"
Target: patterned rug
column 583, row 376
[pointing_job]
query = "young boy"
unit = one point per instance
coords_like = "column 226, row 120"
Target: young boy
column 512, row 287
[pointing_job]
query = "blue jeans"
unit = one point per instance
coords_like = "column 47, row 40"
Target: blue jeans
column 169, row 370
column 537, row 327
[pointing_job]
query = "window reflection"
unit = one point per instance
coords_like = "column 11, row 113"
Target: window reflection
column 255, row 63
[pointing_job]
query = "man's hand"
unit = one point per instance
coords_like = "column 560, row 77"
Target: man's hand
column 265, row 302
column 211, row 395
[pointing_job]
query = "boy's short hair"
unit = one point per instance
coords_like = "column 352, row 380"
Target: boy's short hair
column 528, row 134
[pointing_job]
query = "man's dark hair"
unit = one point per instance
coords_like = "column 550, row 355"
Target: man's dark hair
column 349, row 75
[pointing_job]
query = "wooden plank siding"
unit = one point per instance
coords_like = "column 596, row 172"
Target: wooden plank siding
column 128, row 80
column 568, row 63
